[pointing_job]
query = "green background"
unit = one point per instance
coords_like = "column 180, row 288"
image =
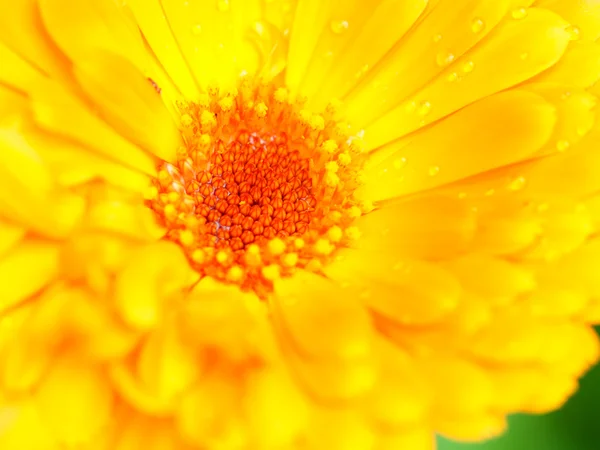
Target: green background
column 575, row 427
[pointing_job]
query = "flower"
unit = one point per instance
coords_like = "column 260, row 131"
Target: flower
column 307, row 225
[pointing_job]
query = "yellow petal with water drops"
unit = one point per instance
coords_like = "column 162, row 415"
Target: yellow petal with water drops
column 575, row 167
column 506, row 233
column 579, row 66
column 25, row 270
column 469, row 142
column 492, row 278
column 10, row 235
column 564, row 229
column 431, row 227
column 406, row 291
column 16, row 72
column 85, row 400
column 309, row 20
column 153, row 275
column 575, row 115
column 32, row 346
column 128, row 102
column 167, row 367
column 153, row 24
column 214, row 38
column 273, row 426
column 353, row 39
column 450, row 30
column 90, row 25
column 521, row 48
column 307, row 302
column 584, row 16
column 22, row 428
column 370, row 44
column 24, row 33
column 58, row 111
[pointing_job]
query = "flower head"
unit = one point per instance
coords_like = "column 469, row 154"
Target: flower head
column 270, row 224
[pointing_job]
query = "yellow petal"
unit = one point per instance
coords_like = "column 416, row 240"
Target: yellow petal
column 16, row 72
column 26, row 270
column 10, row 235
column 22, row 427
column 75, row 400
column 306, row 303
column 213, row 37
column 128, row 102
column 520, row 48
column 452, row 149
column 153, row 274
column 408, row 292
column 579, row 66
column 582, row 14
column 435, row 47
column 429, row 227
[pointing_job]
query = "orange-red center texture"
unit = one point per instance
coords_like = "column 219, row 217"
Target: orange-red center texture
column 294, row 224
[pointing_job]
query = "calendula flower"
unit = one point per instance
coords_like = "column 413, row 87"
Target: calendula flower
column 276, row 224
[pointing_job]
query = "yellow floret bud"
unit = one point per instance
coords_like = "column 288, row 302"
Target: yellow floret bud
column 331, row 179
column 207, row 119
column 222, row 257
column 344, row 158
column 281, row 95
column 329, row 146
column 354, row 212
column 290, row 259
column 317, row 122
column 226, row 103
column 324, row 247
column 353, row 233
column 299, row 243
column 335, row 234
column 205, row 139
column 186, row 120
column 332, row 166
column 236, row 273
column 261, row 110
column 199, row 256
column 276, row 246
column 186, row 237
column 271, row 272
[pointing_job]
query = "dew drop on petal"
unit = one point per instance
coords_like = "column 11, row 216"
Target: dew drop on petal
column 562, row 145
column 517, row 184
column 468, row 67
column 424, row 108
column 519, row 13
column 574, row 32
column 437, row 38
column 400, row 163
column 339, row 26
column 477, row 25
column 434, row 170
column 196, row 29
column 223, row 5
column 524, row 56
column 444, row 58
column 452, row 77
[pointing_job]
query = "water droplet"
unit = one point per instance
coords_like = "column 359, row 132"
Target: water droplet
column 574, row 32
column 468, row 67
column 197, row 29
column 462, row 195
column 583, row 130
column 339, row 26
column 437, row 38
column 519, row 13
column 524, row 56
column 410, row 107
column 444, row 58
column 223, row 5
column 490, row 192
column 434, row 170
column 563, row 145
column 363, row 70
column 400, row 163
column 477, row 25
column 452, row 77
column 517, row 184
column 424, row 108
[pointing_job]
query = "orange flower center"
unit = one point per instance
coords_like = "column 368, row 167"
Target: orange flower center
column 261, row 187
